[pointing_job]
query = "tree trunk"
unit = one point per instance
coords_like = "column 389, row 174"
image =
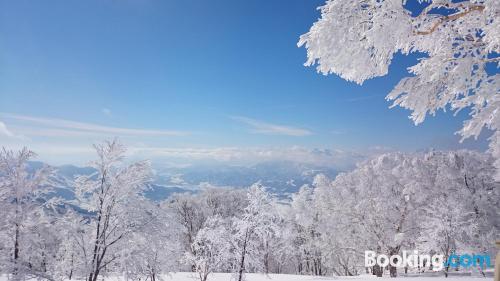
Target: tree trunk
column 242, row 261
column 16, row 250
column 16, row 244
column 97, row 243
column 392, row 269
column 378, row 270
column 71, row 270
column 266, row 258
column 447, row 267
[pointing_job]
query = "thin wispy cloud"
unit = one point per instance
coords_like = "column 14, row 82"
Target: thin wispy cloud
column 33, row 131
column 360, row 98
column 336, row 132
column 260, row 127
column 106, row 111
column 42, row 126
column 9, row 134
column 4, row 131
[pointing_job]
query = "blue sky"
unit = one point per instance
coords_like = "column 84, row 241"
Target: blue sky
column 199, row 76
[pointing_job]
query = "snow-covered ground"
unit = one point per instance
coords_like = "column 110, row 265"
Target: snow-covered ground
column 189, row 276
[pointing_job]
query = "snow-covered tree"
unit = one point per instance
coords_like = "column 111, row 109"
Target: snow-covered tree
column 153, row 249
column 190, row 211
column 308, row 240
column 253, row 229
column 461, row 215
column 112, row 198
column 211, row 249
column 23, row 250
column 70, row 261
column 435, row 202
column 189, row 215
column 357, row 39
column 223, row 202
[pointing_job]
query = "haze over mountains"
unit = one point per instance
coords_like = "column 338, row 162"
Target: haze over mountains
column 281, row 177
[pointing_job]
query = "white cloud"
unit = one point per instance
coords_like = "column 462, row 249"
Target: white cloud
column 4, row 131
column 106, row 111
column 260, row 127
column 251, row 155
column 177, row 179
column 50, row 127
column 63, row 152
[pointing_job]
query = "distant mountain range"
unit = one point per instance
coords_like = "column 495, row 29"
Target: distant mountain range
column 282, row 178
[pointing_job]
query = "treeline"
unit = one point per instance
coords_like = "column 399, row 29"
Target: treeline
column 436, row 202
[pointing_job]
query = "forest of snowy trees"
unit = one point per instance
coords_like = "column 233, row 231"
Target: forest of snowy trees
column 436, row 202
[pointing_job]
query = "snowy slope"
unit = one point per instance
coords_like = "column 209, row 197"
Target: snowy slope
column 189, row 276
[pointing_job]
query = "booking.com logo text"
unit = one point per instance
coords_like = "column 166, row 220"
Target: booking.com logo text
column 438, row 261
